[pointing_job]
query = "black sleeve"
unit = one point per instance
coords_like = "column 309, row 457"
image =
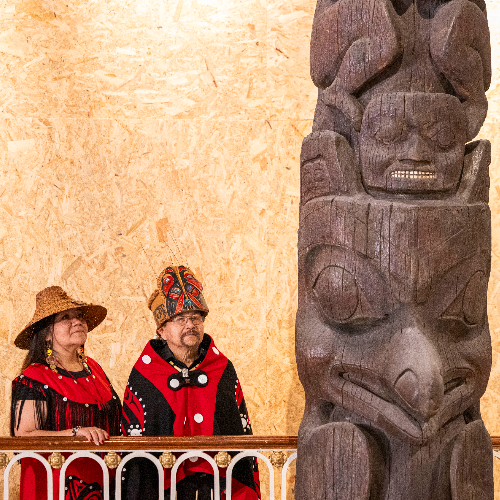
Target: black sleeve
column 145, row 413
column 231, row 418
column 25, row 389
column 227, row 420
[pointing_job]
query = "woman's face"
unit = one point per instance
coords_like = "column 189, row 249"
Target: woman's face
column 70, row 330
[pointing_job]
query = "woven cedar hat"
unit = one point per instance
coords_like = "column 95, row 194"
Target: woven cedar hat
column 53, row 300
column 177, row 291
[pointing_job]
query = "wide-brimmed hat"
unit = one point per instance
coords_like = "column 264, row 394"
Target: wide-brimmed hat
column 53, row 300
column 177, row 291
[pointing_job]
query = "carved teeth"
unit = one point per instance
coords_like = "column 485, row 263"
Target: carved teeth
column 413, row 174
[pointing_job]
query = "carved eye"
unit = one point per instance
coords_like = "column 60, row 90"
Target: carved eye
column 337, row 293
column 346, row 288
column 470, row 304
column 390, row 131
column 443, row 134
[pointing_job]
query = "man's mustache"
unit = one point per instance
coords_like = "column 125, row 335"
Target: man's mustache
column 192, row 331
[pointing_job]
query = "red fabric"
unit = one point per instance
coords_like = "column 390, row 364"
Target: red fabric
column 186, row 403
column 86, row 483
column 83, row 476
column 189, row 401
column 93, row 389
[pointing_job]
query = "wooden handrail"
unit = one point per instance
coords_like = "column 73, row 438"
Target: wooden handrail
column 160, row 443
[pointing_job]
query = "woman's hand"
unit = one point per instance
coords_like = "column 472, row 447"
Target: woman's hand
column 98, row 436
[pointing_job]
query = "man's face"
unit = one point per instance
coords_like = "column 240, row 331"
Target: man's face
column 185, row 330
column 412, row 143
column 392, row 326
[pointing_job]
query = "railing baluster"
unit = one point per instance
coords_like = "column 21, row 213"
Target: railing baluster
column 292, row 457
column 182, row 458
column 16, row 458
column 92, row 456
column 141, row 454
column 237, row 458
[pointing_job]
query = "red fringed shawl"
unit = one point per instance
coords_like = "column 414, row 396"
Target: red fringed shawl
column 65, row 400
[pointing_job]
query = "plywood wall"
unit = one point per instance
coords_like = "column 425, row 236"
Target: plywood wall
column 137, row 133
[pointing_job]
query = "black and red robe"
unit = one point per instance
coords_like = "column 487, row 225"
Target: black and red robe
column 65, row 400
column 164, row 398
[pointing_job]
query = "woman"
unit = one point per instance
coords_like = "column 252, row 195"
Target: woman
column 61, row 392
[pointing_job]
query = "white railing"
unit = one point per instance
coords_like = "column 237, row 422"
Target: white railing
column 275, row 455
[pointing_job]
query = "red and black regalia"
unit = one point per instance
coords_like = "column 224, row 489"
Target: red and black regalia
column 64, row 400
column 164, row 397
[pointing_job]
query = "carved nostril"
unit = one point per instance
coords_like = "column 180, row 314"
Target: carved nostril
column 407, row 387
column 424, row 399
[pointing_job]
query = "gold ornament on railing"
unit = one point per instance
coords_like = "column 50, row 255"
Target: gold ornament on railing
column 56, row 460
column 3, row 460
column 112, row 460
column 167, row 460
column 222, row 459
column 278, row 459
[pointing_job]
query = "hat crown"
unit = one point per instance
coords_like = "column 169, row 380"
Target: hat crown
column 50, row 294
column 177, row 291
column 53, row 300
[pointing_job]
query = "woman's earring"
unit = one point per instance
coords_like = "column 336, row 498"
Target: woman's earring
column 50, row 359
column 83, row 359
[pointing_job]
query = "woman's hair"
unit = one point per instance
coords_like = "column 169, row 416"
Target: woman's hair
column 37, row 351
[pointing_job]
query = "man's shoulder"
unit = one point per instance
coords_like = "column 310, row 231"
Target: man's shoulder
column 211, row 350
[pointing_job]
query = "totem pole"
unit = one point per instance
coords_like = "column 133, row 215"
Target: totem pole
column 392, row 338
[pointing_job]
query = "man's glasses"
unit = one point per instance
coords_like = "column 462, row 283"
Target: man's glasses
column 196, row 319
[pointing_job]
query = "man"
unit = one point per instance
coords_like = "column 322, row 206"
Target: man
column 182, row 385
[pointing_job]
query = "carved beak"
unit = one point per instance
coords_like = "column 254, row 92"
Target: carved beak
column 414, row 368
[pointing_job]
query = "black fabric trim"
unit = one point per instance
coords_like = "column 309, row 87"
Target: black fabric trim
column 177, row 381
column 160, row 417
column 227, row 421
column 77, row 489
column 27, row 393
column 80, row 374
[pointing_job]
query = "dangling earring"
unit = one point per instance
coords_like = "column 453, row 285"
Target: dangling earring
column 50, row 359
column 83, row 359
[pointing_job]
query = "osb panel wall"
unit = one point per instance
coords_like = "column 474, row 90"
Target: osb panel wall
column 139, row 133
column 136, row 133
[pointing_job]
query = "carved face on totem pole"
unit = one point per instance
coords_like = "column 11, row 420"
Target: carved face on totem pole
column 392, row 324
column 412, row 143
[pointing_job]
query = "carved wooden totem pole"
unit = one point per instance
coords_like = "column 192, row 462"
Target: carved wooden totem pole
column 392, row 338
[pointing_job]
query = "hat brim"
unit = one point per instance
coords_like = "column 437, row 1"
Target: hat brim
column 94, row 315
